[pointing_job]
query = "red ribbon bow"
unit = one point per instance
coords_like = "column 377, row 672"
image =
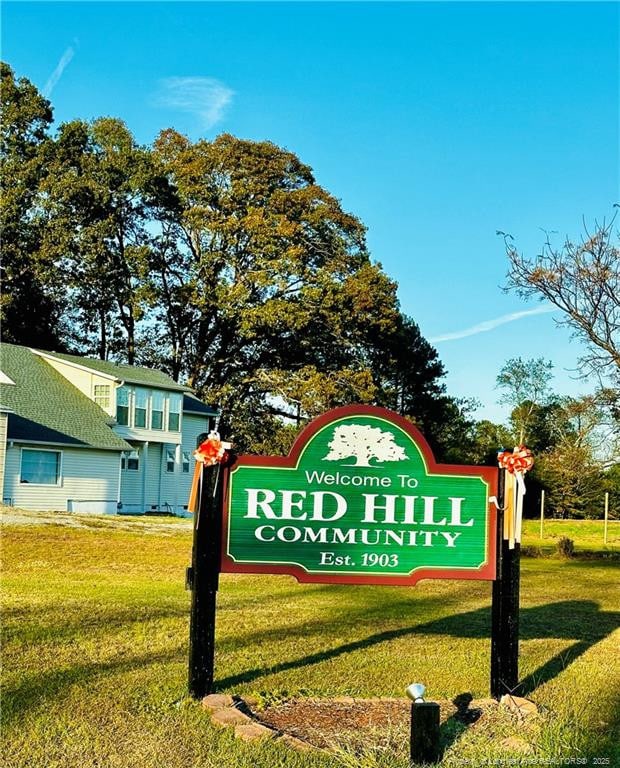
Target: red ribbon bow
column 519, row 460
column 211, row 451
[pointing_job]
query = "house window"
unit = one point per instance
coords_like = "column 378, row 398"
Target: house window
column 131, row 461
column 40, row 467
column 122, row 406
column 174, row 413
column 186, row 461
column 102, row 395
column 170, row 460
column 141, row 401
column 157, row 410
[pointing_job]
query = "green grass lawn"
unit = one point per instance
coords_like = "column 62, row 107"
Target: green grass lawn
column 95, row 626
column 588, row 535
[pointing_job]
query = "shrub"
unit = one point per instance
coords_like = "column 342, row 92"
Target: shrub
column 566, row 547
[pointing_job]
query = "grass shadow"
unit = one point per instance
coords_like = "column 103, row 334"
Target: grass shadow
column 579, row 620
column 22, row 625
column 36, row 690
column 332, row 615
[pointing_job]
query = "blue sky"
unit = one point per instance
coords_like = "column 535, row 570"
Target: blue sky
column 436, row 123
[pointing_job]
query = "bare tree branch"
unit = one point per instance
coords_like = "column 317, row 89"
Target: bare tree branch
column 583, row 281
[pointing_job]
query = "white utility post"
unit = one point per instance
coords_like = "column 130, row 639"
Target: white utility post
column 606, row 515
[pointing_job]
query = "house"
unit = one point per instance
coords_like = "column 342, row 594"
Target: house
column 88, row 435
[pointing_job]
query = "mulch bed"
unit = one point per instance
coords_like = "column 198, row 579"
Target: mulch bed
column 350, row 722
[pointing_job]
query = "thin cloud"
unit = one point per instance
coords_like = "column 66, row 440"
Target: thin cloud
column 489, row 325
column 204, row 97
column 52, row 80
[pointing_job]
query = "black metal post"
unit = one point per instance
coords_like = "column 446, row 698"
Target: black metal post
column 203, row 579
column 496, row 601
column 424, row 739
column 505, row 608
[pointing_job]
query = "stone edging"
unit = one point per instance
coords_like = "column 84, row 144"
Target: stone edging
column 233, row 711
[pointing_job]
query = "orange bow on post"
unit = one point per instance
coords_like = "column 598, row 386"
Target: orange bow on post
column 516, row 463
column 210, row 452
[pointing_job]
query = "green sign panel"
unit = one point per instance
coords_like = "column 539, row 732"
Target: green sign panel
column 361, row 500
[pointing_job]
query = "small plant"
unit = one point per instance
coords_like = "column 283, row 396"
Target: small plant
column 531, row 551
column 566, row 547
column 266, row 699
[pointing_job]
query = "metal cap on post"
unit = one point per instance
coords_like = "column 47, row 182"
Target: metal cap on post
column 424, row 741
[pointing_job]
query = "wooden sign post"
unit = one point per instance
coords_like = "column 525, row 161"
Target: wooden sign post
column 505, row 607
column 203, row 579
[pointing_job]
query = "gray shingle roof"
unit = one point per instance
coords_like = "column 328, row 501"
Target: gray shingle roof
column 132, row 374
column 47, row 408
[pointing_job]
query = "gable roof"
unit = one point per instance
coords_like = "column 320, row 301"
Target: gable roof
column 46, row 408
column 132, row 374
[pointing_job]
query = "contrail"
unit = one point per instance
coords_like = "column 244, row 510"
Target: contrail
column 489, row 325
column 53, row 79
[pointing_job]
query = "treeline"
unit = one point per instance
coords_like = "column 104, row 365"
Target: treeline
column 226, row 265
column 575, row 440
column 220, row 262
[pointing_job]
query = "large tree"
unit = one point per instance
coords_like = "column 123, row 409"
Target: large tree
column 525, row 386
column 409, row 375
column 30, row 307
column 268, row 301
column 585, row 446
column 582, row 279
column 98, row 198
column 486, row 440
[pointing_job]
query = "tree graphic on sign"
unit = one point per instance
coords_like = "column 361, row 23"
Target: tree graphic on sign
column 363, row 443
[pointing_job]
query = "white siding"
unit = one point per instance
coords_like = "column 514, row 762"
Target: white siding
column 92, row 476
column 193, row 427
column 172, row 485
column 85, row 381
column 86, row 475
column 131, row 485
column 153, row 476
column 3, row 427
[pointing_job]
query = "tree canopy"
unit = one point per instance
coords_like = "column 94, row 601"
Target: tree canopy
column 222, row 262
column 582, row 279
column 575, row 440
column 525, row 386
column 30, row 309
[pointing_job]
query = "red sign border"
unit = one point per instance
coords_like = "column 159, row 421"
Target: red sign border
column 488, row 474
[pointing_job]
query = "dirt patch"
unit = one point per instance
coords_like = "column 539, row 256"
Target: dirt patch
column 349, row 723
column 146, row 524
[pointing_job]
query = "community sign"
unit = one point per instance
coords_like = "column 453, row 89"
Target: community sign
column 360, row 500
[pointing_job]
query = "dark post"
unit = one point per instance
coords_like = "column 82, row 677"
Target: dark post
column 505, row 608
column 424, row 739
column 203, row 580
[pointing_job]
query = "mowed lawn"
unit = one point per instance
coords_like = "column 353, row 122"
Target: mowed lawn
column 587, row 535
column 95, row 628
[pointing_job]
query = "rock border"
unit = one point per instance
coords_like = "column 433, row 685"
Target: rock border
column 233, row 711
